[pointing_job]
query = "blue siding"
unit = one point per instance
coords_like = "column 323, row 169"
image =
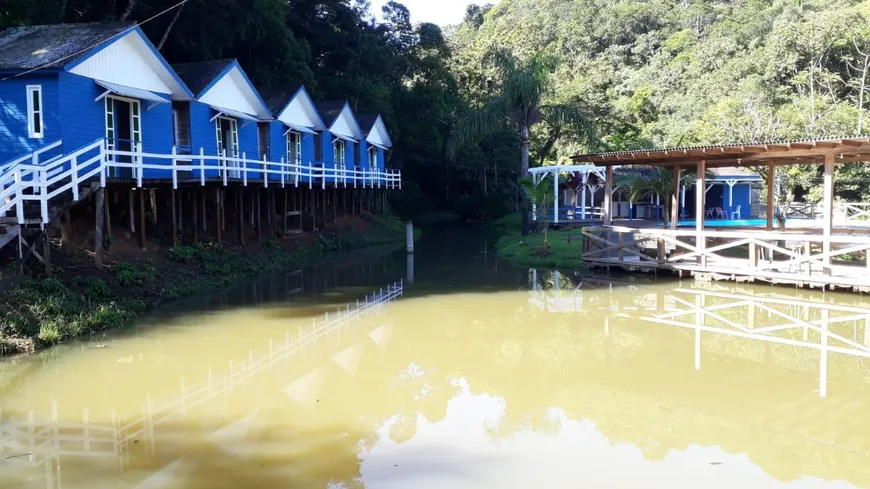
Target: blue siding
column 83, row 117
column 250, row 147
column 328, row 160
column 363, row 155
column 157, row 137
column 14, row 140
column 277, row 146
column 741, row 198
column 203, row 135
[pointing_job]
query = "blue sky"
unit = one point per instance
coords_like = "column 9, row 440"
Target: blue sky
column 441, row 12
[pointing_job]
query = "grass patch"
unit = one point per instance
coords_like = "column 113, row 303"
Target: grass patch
column 510, row 221
column 529, row 250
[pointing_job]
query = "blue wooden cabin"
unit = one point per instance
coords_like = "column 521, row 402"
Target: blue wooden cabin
column 228, row 116
column 376, row 143
column 297, row 127
column 339, row 144
column 57, row 92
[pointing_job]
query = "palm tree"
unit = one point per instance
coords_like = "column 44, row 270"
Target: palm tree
column 525, row 92
column 654, row 181
column 541, row 194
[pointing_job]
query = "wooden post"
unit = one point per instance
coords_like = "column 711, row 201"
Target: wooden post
column 608, row 197
column 98, row 231
column 132, row 214
column 240, row 214
column 46, row 252
column 675, row 203
column 153, row 194
column 218, row 214
column 828, row 219
column 284, row 214
column 66, row 230
column 259, row 216
column 334, row 203
column 771, row 178
column 108, row 224
column 142, row 236
column 174, row 211
column 195, row 216
column 202, row 209
column 700, row 204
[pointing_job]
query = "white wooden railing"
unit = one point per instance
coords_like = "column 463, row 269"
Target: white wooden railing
column 772, row 255
column 852, row 211
column 35, row 158
column 26, row 179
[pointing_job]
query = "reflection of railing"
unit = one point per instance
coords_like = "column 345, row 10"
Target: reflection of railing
column 791, row 257
column 812, row 326
column 37, row 441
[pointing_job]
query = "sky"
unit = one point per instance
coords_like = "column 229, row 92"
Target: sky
column 441, row 12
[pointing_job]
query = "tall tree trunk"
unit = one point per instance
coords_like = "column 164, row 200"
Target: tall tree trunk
column 524, row 173
column 131, row 4
column 169, row 27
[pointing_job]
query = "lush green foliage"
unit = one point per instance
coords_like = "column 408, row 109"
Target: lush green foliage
column 565, row 247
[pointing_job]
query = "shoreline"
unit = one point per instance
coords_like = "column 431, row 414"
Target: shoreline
column 79, row 300
column 528, row 250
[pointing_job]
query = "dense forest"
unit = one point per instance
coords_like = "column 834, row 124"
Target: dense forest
column 649, row 73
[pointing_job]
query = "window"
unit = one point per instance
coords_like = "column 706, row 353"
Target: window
column 263, row 137
column 294, row 147
column 373, row 158
column 338, row 152
column 34, row 111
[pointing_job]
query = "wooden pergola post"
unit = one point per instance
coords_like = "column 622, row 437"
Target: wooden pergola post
column 608, row 196
column 771, row 178
column 828, row 219
column 675, row 207
column 700, row 204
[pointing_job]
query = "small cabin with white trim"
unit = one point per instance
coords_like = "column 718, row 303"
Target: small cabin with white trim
column 65, row 86
column 227, row 118
column 340, row 141
column 376, row 143
column 295, row 131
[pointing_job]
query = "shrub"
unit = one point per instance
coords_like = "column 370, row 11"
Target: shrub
column 183, row 254
column 97, row 289
column 49, row 332
column 129, row 274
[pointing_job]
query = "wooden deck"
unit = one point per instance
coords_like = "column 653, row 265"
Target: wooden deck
column 793, row 257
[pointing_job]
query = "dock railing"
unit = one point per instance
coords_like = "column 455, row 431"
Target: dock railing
column 776, row 256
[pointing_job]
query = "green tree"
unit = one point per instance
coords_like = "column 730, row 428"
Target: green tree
column 524, row 100
column 541, row 193
column 654, row 181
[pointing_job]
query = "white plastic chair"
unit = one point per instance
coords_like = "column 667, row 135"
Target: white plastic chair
column 736, row 212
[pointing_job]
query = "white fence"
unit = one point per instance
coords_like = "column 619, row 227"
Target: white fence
column 26, row 179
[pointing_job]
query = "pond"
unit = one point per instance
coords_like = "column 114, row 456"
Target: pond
column 452, row 368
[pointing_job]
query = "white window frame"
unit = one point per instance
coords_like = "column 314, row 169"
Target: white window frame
column 294, row 144
column 338, row 148
column 32, row 131
column 373, row 158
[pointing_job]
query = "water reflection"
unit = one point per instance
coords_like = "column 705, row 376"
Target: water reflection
column 572, row 381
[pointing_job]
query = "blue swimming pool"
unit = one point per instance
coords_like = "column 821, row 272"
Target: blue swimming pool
column 726, row 223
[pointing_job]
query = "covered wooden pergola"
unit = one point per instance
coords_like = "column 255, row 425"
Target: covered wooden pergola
column 685, row 244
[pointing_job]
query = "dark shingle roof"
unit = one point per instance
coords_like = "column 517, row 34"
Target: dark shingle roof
column 277, row 97
column 52, row 46
column 199, row 74
column 329, row 110
column 367, row 122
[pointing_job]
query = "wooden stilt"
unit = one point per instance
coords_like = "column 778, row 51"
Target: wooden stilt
column 142, row 236
column 132, row 214
column 202, row 209
column 46, row 252
column 334, row 203
column 153, row 195
column 98, row 231
column 181, row 197
column 217, row 214
column 240, row 214
column 65, row 231
column 259, row 217
column 270, row 204
column 284, row 214
column 174, row 212
column 299, row 208
column 108, row 222
column 195, row 216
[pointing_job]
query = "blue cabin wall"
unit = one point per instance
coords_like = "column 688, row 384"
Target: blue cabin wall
column 328, row 156
column 250, row 147
column 157, row 137
column 741, row 196
column 277, row 147
column 203, row 135
column 14, row 139
column 363, row 155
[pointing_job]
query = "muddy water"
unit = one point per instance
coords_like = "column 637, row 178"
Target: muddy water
column 477, row 374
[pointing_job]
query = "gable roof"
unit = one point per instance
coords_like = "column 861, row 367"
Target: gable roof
column 278, row 96
column 199, row 75
column 234, row 89
column 374, row 130
column 329, row 110
column 53, row 46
